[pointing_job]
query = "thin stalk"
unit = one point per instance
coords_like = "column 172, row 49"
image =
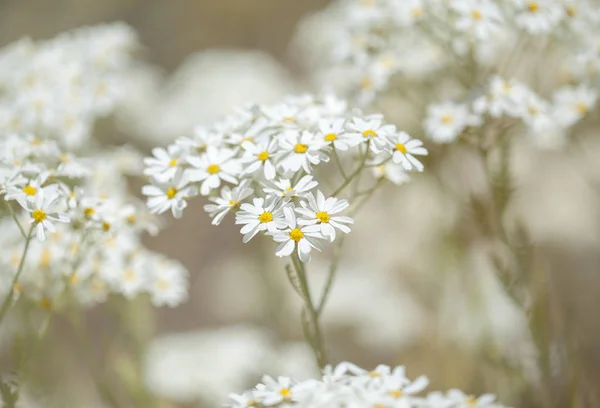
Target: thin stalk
column 316, row 337
column 9, row 296
column 336, row 156
column 351, row 177
column 14, row 217
column 337, row 251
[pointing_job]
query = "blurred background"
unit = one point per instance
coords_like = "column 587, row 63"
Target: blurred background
column 416, row 284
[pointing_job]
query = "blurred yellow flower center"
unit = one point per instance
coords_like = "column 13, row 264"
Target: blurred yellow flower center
column 163, row 284
column 369, row 133
column 45, row 258
column 396, row 393
column 171, row 192
column 401, row 148
column 46, row 303
column 296, row 235
column 129, row 275
column 38, row 216
column 29, row 190
column 300, row 148
column 571, row 11
column 106, row 226
column 247, row 139
column 471, row 401
column 330, row 137
column 201, row 148
column 265, row 217
column 73, row 279
column 17, row 287
column 417, row 12
column 366, row 83
column 374, row 374
column 286, row 393
column 322, row 216
column 88, row 212
column 263, row 156
column 476, row 15
column 234, row 203
column 213, row 169
column 447, row 119
column 289, row 119
column 173, row 163
column 131, row 219
column 533, row 6
column 582, row 108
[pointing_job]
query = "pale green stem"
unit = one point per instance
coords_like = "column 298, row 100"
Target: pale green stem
column 14, row 216
column 9, row 296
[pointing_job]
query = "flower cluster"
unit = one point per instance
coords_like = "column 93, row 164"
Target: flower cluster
column 57, row 88
column 372, row 42
column 71, row 229
column 348, row 385
column 262, row 164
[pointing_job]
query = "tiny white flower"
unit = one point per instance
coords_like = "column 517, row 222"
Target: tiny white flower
column 405, row 149
column 462, row 400
column 294, row 236
column 538, row 16
column 261, row 215
column 165, row 163
column 41, row 211
column 274, row 392
column 444, row 122
column 257, row 156
column 284, row 189
column 165, row 196
column 230, row 199
column 212, row 167
column 572, row 104
column 370, row 131
column 27, row 189
column 333, row 133
column 320, row 211
column 302, row 151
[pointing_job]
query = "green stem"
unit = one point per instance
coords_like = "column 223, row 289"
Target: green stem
column 9, row 296
column 351, row 177
column 14, row 216
column 315, row 339
column 336, row 156
column 337, row 251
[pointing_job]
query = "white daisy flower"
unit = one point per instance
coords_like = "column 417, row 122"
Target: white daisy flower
column 257, row 156
column 538, row 16
column 333, row 133
column 27, row 189
column 294, row 236
column 165, row 196
column 444, row 122
column 481, row 18
column 405, row 149
column 261, row 215
column 462, row 400
column 571, row 104
column 168, row 284
column 392, row 172
column 503, row 97
column 371, row 131
column 230, row 199
column 41, row 211
column 273, row 392
column 302, row 151
column 321, row 212
column 212, row 167
column 165, row 163
column 283, row 188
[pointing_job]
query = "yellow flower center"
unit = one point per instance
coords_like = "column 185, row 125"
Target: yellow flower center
column 533, row 7
column 201, row 148
column 213, row 169
column 234, row 203
column 374, row 374
column 401, row 148
column 471, row 401
column 300, row 148
column 163, row 284
column 330, row 137
column 38, row 216
column 369, row 133
column 323, row 217
column 88, row 212
column 289, row 119
column 173, row 163
column 131, row 219
column 106, row 226
column 582, row 108
column 263, row 156
column 417, row 12
column 476, row 14
column 29, row 190
column 571, row 11
column 73, row 279
column 46, row 303
column 17, row 288
column 396, row 394
column 286, row 393
column 366, row 83
column 128, row 275
column 265, row 217
column 296, row 235
column 171, row 192
column 447, row 119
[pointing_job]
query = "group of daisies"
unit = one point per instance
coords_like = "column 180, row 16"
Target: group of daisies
column 449, row 54
column 263, row 164
column 349, row 386
column 71, row 230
